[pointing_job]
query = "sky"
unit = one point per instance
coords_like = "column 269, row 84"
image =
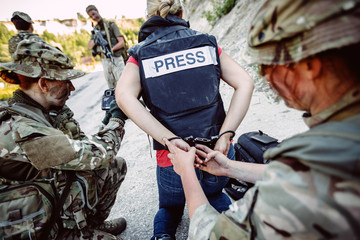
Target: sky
column 65, row 9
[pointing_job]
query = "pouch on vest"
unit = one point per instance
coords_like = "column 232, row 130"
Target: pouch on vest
column 25, row 208
column 82, row 199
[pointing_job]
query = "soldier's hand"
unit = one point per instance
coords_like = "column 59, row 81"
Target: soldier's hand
column 107, row 117
column 116, row 112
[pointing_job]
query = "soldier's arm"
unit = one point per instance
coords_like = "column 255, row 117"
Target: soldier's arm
column 47, row 147
column 120, row 39
column 120, row 44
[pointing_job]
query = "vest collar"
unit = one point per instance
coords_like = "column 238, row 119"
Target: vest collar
column 157, row 22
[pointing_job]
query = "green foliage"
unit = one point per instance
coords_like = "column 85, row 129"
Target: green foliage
column 6, row 90
column 81, row 17
column 220, row 8
column 74, row 45
column 48, row 37
column 5, row 34
column 4, row 53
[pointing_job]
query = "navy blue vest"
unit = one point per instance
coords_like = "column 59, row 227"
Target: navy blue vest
column 180, row 74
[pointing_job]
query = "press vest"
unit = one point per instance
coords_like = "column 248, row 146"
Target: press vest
column 180, row 75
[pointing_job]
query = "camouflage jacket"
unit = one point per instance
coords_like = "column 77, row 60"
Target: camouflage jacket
column 311, row 189
column 57, row 142
column 14, row 40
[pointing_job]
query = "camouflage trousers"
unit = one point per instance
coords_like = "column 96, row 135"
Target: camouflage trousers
column 112, row 71
column 100, row 193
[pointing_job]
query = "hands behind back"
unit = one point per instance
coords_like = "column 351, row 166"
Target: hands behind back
column 182, row 160
column 215, row 162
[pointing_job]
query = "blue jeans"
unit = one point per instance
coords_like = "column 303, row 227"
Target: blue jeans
column 172, row 198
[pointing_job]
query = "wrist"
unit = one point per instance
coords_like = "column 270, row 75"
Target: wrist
column 229, row 134
column 188, row 171
column 119, row 120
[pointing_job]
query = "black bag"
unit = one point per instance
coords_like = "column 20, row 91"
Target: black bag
column 250, row 147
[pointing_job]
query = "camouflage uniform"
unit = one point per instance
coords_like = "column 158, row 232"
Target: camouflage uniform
column 22, row 34
column 42, row 146
column 311, row 188
column 112, row 71
column 14, row 40
column 302, row 182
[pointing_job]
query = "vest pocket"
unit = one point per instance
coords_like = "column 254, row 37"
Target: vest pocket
column 24, row 210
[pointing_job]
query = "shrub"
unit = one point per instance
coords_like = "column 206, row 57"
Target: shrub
column 6, row 90
column 220, row 8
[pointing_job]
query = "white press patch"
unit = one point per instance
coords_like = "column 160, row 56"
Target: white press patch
column 179, row 61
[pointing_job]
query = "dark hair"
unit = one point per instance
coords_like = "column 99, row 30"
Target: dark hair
column 20, row 24
column 26, row 82
column 349, row 55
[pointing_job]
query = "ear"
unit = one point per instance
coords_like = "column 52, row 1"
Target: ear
column 314, row 66
column 43, row 85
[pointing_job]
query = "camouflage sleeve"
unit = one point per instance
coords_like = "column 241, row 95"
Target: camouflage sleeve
column 207, row 223
column 298, row 202
column 202, row 221
column 115, row 29
column 46, row 147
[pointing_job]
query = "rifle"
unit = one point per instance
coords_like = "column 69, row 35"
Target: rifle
column 104, row 45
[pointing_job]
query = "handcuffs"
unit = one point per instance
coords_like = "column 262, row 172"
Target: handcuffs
column 209, row 142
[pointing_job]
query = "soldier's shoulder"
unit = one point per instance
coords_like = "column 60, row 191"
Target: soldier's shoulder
column 15, row 38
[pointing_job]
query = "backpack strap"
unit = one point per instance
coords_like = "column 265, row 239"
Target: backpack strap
column 157, row 35
column 55, row 217
column 27, row 111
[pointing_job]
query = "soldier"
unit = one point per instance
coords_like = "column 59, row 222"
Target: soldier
column 42, row 146
column 308, row 52
column 24, row 25
column 116, row 42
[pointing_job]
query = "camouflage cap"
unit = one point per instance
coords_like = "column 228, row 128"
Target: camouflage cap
column 285, row 31
column 91, row 7
column 37, row 59
column 23, row 16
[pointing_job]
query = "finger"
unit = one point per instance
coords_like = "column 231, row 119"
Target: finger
column 201, row 153
column 210, row 156
column 198, row 160
column 187, row 147
column 197, row 165
column 169, row 145
column 203, row 148
column 202, row 167
column 192, row 150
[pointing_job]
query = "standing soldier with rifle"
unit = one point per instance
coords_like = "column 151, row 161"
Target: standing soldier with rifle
column 107, row 41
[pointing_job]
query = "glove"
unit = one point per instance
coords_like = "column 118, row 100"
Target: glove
column 116, row 112
column 107, row 117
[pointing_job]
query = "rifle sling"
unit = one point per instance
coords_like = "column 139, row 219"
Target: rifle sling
column 106, row 25
column 70, row 177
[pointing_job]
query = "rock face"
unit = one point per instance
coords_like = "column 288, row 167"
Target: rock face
column 137, row 198
column 231, row 30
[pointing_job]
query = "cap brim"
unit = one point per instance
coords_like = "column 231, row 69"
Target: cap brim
column 35, row 71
